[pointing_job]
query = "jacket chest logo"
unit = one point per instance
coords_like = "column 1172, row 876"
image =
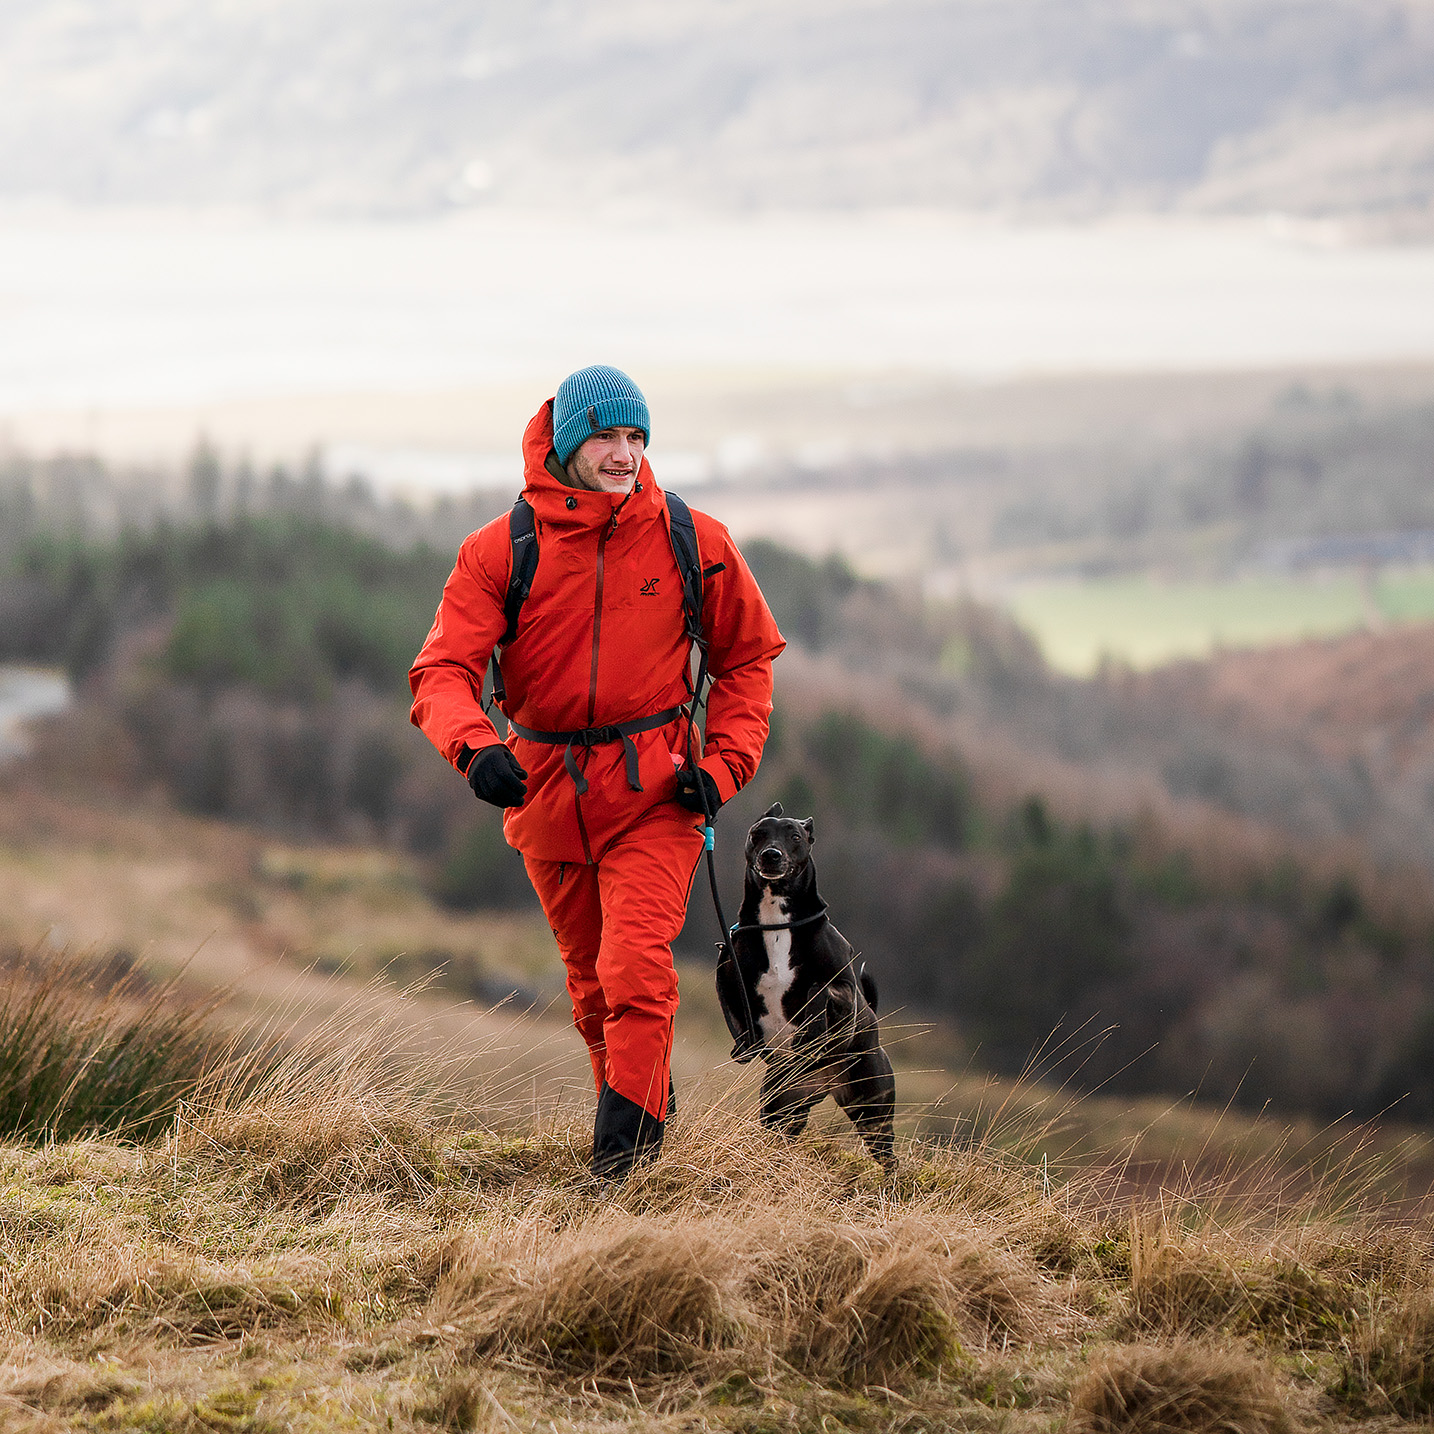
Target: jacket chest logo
column 649, row 588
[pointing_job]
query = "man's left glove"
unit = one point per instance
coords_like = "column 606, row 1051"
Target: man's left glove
column 688, row 795
column 495, row 776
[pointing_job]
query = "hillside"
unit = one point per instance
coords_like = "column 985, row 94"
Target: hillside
column 1074, row 486
column 1039, row 106
column 1364, row 698
column 1020, row 853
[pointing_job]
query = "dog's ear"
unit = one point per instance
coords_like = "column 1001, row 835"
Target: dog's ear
column 807, row 827
column 775, row 810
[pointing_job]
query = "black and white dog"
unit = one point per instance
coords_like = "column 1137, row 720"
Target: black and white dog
column 797, row 997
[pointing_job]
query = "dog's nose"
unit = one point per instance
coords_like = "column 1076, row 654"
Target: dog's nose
column 770, row 856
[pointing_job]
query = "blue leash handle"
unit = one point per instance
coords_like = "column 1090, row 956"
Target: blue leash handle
column 709, row 838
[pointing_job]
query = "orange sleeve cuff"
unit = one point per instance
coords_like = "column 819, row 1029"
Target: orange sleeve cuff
column 721, row 773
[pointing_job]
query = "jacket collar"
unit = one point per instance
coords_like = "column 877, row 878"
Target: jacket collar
column 549, row 494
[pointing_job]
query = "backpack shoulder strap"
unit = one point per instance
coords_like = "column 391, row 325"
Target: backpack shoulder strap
column 523, row 534
column 682, row 532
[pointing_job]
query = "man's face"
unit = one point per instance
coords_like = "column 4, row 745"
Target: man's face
column 608, row 461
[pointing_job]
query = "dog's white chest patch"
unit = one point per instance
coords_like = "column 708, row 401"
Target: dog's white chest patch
column 777, row 979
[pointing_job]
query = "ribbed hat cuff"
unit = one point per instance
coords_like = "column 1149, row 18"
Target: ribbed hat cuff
column 620, row 412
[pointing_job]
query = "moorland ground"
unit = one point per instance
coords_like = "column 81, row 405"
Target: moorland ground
column 387, row 1223
column 319, row 1236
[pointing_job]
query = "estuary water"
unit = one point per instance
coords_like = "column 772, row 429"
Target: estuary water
column 27, row 693
column 110, row 308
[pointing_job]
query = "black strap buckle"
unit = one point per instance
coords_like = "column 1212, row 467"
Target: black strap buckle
column 597, row 736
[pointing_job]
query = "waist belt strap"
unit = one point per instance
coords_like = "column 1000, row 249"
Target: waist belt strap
column 622, row 732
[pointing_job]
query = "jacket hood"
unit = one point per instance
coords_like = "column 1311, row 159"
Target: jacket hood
column 549, row 494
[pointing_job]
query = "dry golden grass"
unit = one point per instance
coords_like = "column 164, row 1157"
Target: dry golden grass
column 336, row 1244
column 331, row 1233
column 1306, row 1285
column 228, row 903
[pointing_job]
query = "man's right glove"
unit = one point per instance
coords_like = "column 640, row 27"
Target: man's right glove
column 495, row 776
column 688, row 796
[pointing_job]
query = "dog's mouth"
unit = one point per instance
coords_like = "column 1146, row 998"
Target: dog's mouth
column 771, row 863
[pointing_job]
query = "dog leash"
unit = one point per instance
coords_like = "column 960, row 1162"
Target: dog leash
column 748, row 1040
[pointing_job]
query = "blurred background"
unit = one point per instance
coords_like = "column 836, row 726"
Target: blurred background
column 1066, row 370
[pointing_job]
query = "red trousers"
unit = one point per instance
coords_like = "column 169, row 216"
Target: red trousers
column 615, row 921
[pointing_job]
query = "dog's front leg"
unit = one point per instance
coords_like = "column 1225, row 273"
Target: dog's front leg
column 825, row 1027
column 841, row 1015
column 787, row 1098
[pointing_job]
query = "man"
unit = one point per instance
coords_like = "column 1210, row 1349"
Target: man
column 599, row 773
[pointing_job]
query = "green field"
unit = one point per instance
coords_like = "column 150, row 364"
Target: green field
column 1145, row 622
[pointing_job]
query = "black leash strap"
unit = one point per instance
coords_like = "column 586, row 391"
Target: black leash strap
column 748, row 1037
column 746, row 1034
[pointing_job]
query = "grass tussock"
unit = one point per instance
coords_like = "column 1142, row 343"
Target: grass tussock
column 335, row 1115
column 897, row 1322
column 1144, row 1389
column 1300, row 1294
column 464, row 1403
column 62, row 1387
column 91, row 1047
column 187, row 1300
column 634, row 1297
column 299, row 1149
column 617, row 1300
column 1390, row 1360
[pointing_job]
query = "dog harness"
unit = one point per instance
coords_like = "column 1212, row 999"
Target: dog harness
column 779, row 925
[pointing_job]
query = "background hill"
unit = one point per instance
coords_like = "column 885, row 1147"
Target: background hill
column 1235, row 887
column 1313, row 107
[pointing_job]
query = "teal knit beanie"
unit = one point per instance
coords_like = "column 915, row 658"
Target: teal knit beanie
column 593, row 399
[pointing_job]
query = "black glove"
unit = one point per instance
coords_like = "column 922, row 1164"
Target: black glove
column 495, row 776
column 687, row 794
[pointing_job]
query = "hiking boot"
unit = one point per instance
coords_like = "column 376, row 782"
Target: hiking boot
column 623, row 1134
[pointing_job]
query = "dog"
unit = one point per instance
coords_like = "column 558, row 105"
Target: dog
column 797, row 997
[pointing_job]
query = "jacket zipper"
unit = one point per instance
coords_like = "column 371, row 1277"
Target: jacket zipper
column 597, row 618
column 606, row 533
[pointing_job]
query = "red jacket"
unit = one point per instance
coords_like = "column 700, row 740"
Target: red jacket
column 600, row 641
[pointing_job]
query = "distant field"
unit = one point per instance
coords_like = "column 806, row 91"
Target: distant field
column 1146, row 622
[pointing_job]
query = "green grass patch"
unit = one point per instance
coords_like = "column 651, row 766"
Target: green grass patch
column 1145, row 622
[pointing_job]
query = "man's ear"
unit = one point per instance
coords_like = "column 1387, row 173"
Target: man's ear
column 775, row 810
column 807, row 827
